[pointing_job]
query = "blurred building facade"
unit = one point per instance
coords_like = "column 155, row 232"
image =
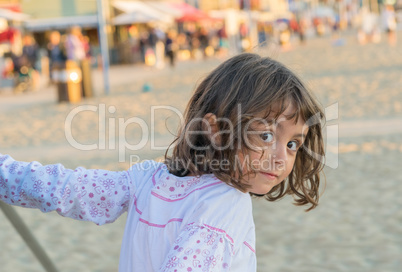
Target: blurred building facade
column 261, row 5
column 58, row 8
column 61, row 15
column 129, row 22
column 9, row 3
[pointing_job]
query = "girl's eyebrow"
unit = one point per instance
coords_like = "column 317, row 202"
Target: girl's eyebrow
column 300, row 135
column 269, row 122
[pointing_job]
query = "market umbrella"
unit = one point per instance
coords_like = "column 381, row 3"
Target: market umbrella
column 190, row 13
column 138, row 12
column 12, row 15
column 8, row 35
column 134, row 17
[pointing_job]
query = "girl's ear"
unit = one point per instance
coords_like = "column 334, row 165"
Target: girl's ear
column 211, row 126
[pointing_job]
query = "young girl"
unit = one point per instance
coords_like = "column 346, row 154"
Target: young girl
column 251, row 128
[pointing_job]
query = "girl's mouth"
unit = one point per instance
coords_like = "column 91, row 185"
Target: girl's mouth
column 270, row 176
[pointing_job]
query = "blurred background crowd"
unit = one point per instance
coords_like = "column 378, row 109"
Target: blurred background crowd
column 38, row 37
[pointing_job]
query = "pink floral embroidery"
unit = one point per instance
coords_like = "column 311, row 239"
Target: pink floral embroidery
column 203, row 250
column 38, row 186
column 13, row 168
column 210, row 238
column 172, row 262
column 192, row 182
column 94, row 212
column 210, row 261
column 51, row 170
column 171, row 188
column 108, row 184
column 2, row 183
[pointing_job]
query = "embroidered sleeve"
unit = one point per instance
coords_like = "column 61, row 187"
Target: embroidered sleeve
column 200, row 248
column 99, row 196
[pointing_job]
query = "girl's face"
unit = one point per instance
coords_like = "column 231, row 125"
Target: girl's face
column 273, row 151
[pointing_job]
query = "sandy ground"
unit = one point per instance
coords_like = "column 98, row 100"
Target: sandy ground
column 358, row 224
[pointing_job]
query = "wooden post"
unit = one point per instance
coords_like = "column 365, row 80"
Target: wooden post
column 74, row 77
column 102, row 29
column 374, row 6
column 27, row 236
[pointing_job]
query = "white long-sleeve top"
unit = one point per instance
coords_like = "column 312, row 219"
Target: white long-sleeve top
column 173, row 223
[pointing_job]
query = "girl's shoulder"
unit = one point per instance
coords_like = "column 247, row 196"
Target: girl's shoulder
column 141, row 173
column 144, row 169
column 177, row 188
column 197, row 200
column 205, row 188
column 211, row 201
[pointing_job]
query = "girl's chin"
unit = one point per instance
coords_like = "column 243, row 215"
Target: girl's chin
column 260, row 191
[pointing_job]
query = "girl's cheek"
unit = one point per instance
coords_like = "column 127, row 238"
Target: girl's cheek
column 265, row 164
column 282, row 168
column 287, row 167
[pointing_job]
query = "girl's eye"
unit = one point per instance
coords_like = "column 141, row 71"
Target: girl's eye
column 293, row 145
column 267, row 137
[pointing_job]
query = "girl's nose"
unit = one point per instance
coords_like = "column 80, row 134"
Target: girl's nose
column 279, row 152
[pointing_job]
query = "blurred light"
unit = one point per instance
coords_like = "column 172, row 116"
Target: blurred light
column 390, row 2
column 74, row 77
column 209, row 51
column 24, row 70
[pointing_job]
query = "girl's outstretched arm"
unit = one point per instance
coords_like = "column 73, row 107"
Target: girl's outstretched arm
column 99, row 196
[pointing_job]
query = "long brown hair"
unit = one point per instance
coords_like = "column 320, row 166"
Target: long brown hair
column 241, row 88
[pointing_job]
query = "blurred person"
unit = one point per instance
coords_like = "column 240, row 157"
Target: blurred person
column 22, row 73
column 299, row 26
column 183, row 42
column 369, row 31
column 86, row 46
column 56, row 52
column 30, row 51
column 261, row 35
column 26, row 76
column 152, row 39
column 294, row 24
column 319, row 26
column 213, row 47
column 171, row 47
column 284, row 36
column 3, row 67
column 203, row 38
column 150, row 48
column 303, row 25
column 223, row 41
column 195, row 47
column 335, row 26
column 244, row 38
column 191, row 37
column 143, row 42
column 160, row 48
column 388, row 20
column 193, row 211
column 74, row 47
